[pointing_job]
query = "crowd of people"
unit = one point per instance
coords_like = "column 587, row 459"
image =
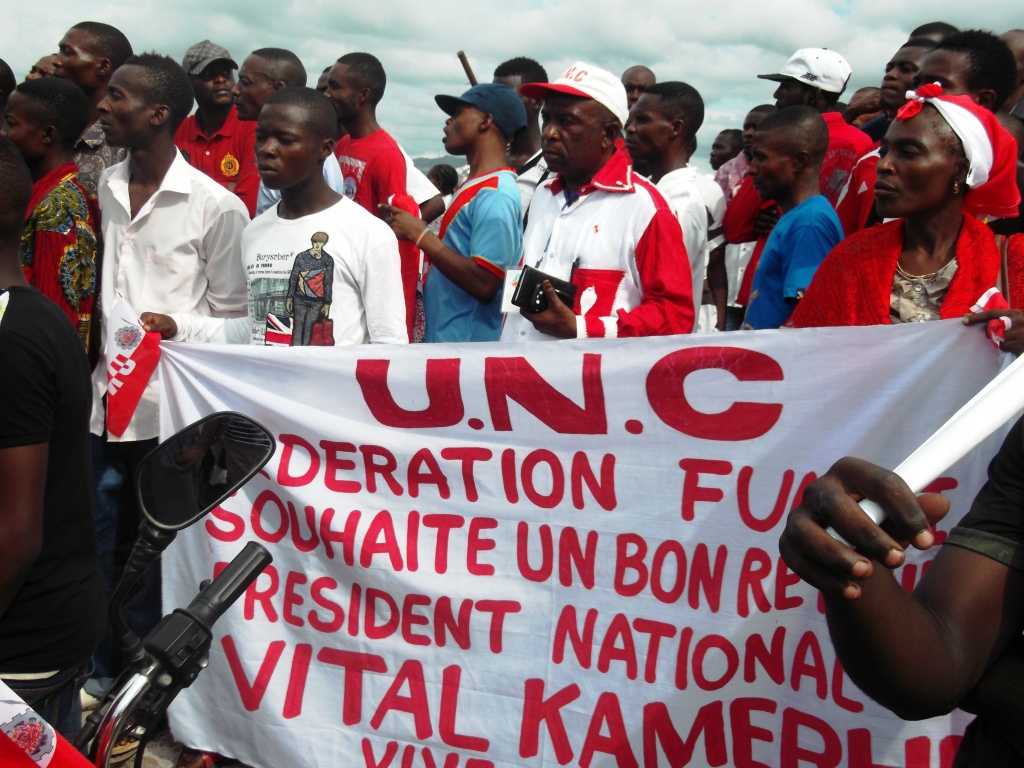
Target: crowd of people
column 224, row 202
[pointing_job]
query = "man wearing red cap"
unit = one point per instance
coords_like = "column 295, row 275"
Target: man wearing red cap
column 598, row 224
column 213, row 139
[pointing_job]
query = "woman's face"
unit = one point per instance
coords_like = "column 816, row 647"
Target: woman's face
column 922, row 160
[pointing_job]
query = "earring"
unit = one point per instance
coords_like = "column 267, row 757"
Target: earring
column 956, row 187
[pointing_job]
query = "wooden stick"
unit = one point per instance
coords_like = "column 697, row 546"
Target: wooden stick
column 466, row 67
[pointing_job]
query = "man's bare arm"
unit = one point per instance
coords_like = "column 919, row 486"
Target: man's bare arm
column 23, row 479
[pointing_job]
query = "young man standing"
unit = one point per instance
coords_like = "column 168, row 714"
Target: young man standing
column 51, row 602
column 321, row 271
column 89, row 53
column 725, row 147
column 171, row 243
column 214, row 140
column 44, row 118
column 372, row 163
column 263, row 72
column 598, row 224
column 660, row 135
column 817, row 77
column 786, row 164
column 480, row 235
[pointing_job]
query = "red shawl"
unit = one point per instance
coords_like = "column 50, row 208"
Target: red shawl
column 853, row 285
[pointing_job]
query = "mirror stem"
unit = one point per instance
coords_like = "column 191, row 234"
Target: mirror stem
column 150, row 543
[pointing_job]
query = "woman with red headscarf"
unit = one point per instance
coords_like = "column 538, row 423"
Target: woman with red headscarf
column 945, row 161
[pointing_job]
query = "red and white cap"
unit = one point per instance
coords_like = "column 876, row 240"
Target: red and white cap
column 990, row 149
column 819, row 68
column 587, row 82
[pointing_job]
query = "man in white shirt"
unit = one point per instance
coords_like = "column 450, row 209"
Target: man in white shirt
column 321, row 270
column 171, row 239
column 661, row 136
column 598, row 224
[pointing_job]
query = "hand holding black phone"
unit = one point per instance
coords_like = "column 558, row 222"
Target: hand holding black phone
column 529, row 294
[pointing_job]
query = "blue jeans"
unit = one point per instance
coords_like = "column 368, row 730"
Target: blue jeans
column 117, row 524
column 56, row 699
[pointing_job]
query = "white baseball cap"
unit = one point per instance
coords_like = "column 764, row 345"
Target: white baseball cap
column 588, row 82
column 817, row 67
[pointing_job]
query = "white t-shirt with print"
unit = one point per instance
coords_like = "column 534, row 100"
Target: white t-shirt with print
column 329, row 278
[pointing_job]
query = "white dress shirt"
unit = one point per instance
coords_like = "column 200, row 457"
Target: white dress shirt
column 680, row 190
column 181, row 253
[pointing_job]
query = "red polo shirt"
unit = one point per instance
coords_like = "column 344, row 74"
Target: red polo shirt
column 228, row 156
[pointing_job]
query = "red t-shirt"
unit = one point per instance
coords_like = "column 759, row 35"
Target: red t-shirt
column 846, row 145
column 373, row 168
column 228, row 156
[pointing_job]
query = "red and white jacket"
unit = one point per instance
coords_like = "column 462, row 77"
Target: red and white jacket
column 621, row 245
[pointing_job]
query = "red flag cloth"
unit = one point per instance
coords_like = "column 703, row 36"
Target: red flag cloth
column 409, row 255
column 128, row 373
column 996, row 328
column 853, row 286
column 28, row 741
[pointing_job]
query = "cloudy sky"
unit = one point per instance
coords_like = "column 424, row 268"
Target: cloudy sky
column 716, row 45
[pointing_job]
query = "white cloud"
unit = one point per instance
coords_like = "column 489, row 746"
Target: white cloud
column 717, row 46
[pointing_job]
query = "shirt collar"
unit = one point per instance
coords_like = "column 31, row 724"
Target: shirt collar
column 616, row 175
column 177, row 179
column 227, row 130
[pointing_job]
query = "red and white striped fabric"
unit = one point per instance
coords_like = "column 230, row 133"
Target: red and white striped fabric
column 131, row 355
column 622, row 247
column 28, row 741
column 996, row 328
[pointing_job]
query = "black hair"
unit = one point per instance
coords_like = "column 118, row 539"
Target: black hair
column 60, row 103
column 110, row 40
column 7, row 81
column 166, row 83
column 447, row 176
column 284, row 64
column 643, row 67
column 528, row 69
column 369, row 72
column 320, row 114
column 992, row 63
column 680, row 100
column 920, row 42
column 803, row 127
column 15, row 190
column 940, row 28
column 732, row 134
column 763, row 108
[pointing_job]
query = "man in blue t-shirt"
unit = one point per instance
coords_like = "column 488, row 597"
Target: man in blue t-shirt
column 481, row 232
column 786, row 157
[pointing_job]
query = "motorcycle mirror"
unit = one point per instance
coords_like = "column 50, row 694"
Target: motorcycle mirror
column 193, row 471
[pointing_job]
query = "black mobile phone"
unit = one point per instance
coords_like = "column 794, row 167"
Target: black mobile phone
column 529, row 294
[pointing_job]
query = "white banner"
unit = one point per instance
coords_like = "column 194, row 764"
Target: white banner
column 557, row 554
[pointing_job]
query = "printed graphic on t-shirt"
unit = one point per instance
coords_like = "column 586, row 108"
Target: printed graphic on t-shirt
column 290, row 296
column 352, row 170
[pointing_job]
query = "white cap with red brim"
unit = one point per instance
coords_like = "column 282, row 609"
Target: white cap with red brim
column 587, row 82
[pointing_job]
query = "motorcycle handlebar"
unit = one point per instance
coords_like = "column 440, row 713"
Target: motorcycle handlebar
column 246, row 566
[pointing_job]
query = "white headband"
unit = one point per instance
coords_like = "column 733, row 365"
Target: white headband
column 970, row 131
